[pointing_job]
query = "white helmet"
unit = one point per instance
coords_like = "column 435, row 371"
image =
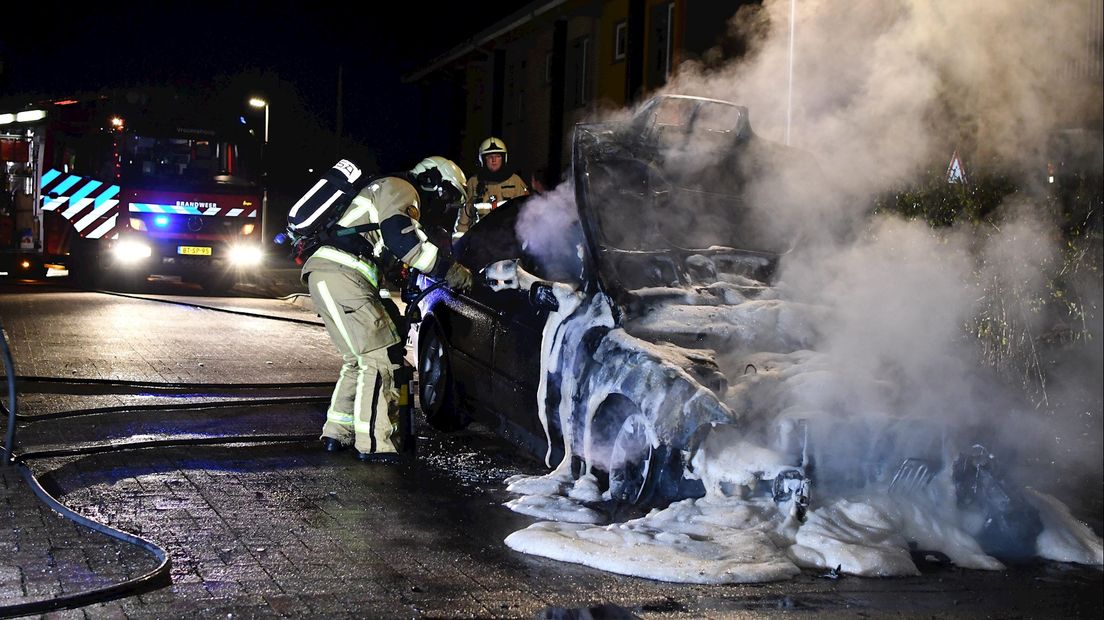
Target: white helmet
column 442, row 176
column 492, row 145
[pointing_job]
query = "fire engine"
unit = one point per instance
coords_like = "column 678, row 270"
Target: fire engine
column 114, row 189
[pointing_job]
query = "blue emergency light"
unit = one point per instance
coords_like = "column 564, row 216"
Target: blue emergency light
column 161, row 221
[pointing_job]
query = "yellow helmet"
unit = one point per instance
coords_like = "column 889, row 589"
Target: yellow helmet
column 492, row 145
column 442, row 176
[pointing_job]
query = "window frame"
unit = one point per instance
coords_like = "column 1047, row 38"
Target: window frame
column 620, row 51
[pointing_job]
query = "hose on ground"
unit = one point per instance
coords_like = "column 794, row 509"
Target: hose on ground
column 159, row 576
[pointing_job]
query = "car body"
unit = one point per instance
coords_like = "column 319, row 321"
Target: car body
column 639, row 326
column 612, row 377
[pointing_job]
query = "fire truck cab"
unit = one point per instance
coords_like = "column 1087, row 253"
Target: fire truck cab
column 112, row 190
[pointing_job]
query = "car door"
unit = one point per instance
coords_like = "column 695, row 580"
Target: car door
column 476, row 315
column 517, row 359
column 520, row 330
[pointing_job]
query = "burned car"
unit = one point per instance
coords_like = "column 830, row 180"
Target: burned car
column 624, row 328
column 601, row 344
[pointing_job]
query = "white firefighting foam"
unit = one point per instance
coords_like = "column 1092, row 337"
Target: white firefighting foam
column 728, row 536
column 1064, row 538
column 694, row 541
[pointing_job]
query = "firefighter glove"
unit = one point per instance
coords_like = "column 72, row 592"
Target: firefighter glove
column 458, row 277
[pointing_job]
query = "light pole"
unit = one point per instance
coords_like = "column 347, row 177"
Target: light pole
column 789, row 87
column 257, row 102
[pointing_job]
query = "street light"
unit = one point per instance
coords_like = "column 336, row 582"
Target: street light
column 257, row 102
column 789, row 86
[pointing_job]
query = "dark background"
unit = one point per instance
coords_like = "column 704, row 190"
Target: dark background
column 287, row 52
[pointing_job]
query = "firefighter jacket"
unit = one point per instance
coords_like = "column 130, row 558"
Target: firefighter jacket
column 381, row 225
column 485, row 193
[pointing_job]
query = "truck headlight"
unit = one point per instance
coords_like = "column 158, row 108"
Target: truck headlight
column 245, row 255
column 129, row 251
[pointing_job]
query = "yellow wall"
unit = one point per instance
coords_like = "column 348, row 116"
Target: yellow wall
column 609, row 86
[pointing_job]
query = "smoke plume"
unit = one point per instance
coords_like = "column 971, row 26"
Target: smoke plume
column 880, row 89
column 882, row 92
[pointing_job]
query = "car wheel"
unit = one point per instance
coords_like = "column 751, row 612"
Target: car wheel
column 632, row 462
column 435, row 389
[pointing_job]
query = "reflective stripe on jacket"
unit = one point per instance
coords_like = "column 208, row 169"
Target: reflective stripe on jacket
column 392, row 203
column 492, row 194
column 331, row 254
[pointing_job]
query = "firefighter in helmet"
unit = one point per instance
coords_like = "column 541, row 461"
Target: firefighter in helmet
column 349, row 227
column 491, row 185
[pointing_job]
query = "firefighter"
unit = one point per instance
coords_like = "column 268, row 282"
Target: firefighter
column 347, row 228
column 491, row 185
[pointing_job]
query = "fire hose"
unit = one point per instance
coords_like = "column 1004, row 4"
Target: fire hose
column 160, row 575
column 153, row 579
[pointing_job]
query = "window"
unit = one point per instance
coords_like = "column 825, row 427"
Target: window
column 670, row 38
column 660, row 44
column 519, row 112
column 578, row 83
column 148, row 158
column 620, row 41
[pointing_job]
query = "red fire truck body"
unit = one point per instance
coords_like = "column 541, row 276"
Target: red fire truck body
column 120, row 190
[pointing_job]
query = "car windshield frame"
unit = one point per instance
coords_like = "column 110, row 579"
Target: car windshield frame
column 677, row 154
column 643, row 207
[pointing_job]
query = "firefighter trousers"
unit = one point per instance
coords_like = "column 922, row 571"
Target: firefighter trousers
column 364, row 407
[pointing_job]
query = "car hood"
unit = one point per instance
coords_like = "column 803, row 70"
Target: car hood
column 692, row 210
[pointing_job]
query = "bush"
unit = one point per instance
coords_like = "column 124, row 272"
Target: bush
column 1021, row 327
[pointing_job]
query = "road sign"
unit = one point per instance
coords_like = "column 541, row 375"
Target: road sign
column 956, row 172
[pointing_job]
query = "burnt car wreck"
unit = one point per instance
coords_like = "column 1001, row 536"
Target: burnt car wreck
column 642, row 327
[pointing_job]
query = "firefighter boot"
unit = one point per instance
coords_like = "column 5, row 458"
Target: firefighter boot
column 331, row 444
column 374, row 402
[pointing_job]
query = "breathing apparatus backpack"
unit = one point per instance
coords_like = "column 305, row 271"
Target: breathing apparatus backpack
column 312, row 219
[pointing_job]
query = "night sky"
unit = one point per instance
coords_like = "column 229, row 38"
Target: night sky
column 291, row 51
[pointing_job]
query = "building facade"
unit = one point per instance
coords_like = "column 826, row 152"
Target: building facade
column 531, row 76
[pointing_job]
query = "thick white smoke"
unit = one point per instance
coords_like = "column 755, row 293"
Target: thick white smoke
column 916, row 327
column 881, row 88
column 884, row 91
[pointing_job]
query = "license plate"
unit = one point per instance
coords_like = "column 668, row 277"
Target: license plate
column 193, row 250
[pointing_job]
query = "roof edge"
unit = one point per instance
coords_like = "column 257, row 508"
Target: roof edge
column 511, row 22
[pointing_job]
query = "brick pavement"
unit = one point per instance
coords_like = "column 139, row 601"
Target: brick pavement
column 43, row 555
column 286, row 530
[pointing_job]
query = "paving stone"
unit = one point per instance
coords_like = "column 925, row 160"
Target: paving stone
column 286, row 530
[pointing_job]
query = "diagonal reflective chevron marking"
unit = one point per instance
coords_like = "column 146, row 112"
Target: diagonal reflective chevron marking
column 141, row 207
column 66, row 184
column 75, row 208
column 108, row 193
column 50, row 175
column 85, row 190
column 96, row 214
column 105, row 228
column 54, row 203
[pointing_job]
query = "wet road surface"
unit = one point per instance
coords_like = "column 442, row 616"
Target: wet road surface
column 285, row 529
